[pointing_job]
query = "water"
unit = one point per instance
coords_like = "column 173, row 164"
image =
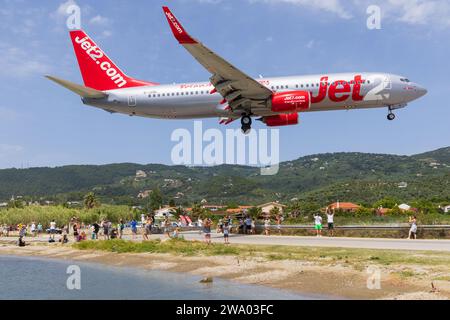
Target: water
column 35, row 278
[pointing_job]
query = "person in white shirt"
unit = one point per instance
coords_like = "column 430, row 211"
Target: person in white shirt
column 33, row 229
column 318, row 224
column 330, row 220
column 52, row 230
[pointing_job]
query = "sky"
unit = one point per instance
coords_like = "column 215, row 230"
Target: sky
column 43, row 124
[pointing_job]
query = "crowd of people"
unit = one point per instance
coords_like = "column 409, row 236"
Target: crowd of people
column 107, row 230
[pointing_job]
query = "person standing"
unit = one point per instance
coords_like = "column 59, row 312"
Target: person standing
column 220, row 225
column 133, row 225
column 166, row 226
column 248, row 225
column 147, row 229
column 241, row 227
column 253, row 227
column 318, row 224
column 413, row 230
column 33, row 229
column 52, row 230
column 207, row 230
column 105, row 230
column 278, row 217
column 75, row 230
column 267, row 226
column 95, row 230
column 120, row 228
column 226, row 233
column 39, row 228
column 330, row 221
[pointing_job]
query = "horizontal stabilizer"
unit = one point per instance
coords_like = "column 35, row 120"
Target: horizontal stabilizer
column 82, row 91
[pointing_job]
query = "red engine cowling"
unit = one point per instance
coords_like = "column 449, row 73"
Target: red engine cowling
column 287, row 119
column 291, row 101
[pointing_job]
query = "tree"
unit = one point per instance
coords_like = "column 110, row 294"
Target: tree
column 255, row 212
column 155, row 199
column 90, row 201
column 197, row 211
column 274, row 211
column 15, row 204
column 304, row 208
column 386, row 202
column 177, row 212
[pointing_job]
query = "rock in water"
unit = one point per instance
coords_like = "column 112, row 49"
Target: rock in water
column 207, row 280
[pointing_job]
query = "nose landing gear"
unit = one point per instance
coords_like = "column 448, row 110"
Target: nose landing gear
column 391, row 115
column 246, row 122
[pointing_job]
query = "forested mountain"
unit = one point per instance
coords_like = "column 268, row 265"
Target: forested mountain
column 357, row 177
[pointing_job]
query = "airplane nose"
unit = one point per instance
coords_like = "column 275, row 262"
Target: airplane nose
column 421, row 91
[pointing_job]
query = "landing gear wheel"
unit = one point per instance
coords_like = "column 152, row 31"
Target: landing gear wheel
column 391, row 116
column 246, row 122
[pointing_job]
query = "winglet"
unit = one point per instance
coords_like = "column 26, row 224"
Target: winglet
column 178, row 31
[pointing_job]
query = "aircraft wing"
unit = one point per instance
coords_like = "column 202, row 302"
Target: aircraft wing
column 240, row 90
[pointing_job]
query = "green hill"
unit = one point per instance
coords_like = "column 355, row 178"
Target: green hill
column 357, row 177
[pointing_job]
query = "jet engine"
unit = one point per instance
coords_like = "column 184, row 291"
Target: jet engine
column 285, row 119
column 291, row 101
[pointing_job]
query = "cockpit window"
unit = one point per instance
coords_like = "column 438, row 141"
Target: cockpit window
column 405, row 80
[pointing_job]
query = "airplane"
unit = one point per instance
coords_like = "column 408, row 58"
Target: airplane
column 230, row 93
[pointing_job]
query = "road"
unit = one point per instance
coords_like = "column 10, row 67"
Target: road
column 367, row 243
column 338, row 242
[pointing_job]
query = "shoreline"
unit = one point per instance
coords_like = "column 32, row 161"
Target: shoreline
column 328, row 279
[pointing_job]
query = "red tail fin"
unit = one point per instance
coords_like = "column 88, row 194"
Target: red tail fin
column 98, row 71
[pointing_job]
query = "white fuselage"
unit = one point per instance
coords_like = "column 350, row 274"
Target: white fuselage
column 329, row 92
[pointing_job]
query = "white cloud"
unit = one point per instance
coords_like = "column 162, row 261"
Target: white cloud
column 413, row 12
column 331, row 6
column 19, row 63
column 99, row 20
column 418, row 12
column 310, row 44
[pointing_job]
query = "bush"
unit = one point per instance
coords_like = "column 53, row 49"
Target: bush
column 62, row 216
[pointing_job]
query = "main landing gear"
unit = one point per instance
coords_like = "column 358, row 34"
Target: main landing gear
column 246, row 122
column 391, row 115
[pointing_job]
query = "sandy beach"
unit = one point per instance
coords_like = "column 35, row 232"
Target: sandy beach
column 335, row 279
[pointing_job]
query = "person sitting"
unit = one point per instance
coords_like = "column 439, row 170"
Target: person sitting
column 176, row 233
column 113, row 233
column 21, row 242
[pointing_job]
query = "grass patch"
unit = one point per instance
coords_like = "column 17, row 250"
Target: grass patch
column 175, row 246
column 358, row 258
column 443, row 278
